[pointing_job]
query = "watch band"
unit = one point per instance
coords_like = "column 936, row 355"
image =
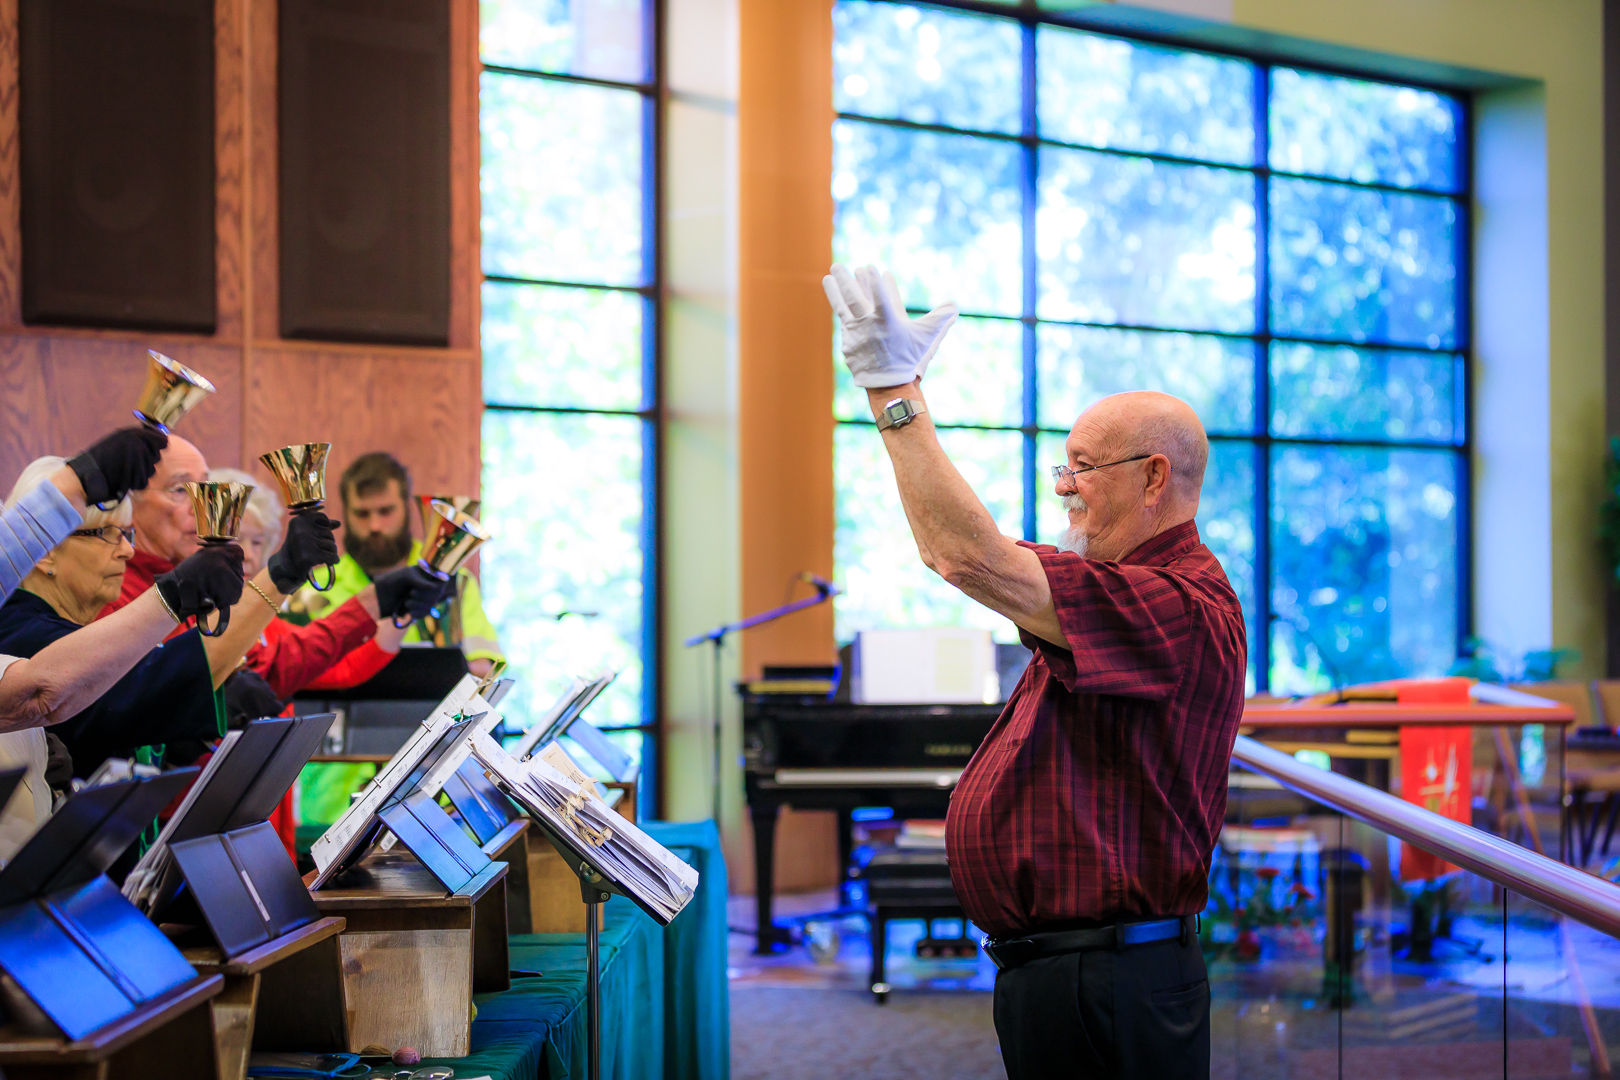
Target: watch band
column 898, row 413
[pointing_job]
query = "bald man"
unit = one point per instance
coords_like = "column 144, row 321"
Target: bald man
column 165, row 526
column 1080, row 834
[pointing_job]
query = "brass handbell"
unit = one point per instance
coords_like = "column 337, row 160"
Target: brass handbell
column 218, row 506
column 172, row 390
column 300, row 473
column 451, row 537
column 465, row 504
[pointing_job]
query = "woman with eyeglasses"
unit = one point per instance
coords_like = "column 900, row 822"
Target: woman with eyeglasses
column 53, row 667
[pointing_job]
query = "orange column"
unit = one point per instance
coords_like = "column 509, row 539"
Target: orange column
column 785, row 331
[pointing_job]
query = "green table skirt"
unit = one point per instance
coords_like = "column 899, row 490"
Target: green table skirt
column 664, row 1001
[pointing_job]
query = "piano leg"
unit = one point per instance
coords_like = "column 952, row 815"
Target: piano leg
column 766, row 934
column 846, row 851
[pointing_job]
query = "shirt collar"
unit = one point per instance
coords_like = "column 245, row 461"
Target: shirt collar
column 148, row 566
column 1166, row 547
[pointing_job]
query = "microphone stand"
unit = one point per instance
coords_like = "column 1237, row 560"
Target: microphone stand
column 825, row 590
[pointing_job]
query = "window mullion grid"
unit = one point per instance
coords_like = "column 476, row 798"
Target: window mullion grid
column 1262, row 380
column 1029, row 178
column 652, row 401
column 1463, row 259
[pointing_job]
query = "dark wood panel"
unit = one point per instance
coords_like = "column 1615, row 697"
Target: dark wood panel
column 422, row 408
column 62, row 390
column 264, row 297
column 10, row 171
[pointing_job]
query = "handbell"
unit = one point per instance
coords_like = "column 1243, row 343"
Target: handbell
column 465, row 504
column 300, row 473
column 451, row 537
column 218, row 506
column 172, row 390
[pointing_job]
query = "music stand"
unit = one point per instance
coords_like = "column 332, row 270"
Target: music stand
column 78, row 955
column 597, row 882
column 250, row 773
column 356, row 826
column 420, row 823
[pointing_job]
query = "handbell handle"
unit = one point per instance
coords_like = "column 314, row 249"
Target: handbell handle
column 411, row 618
column 331, row 577
column 220, row 625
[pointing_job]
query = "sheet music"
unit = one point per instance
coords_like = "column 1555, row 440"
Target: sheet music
column 569, row 806
column 145, row 883
column 334, row 844
column 431, row 784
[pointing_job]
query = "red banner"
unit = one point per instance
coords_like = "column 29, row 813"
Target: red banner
column 1436, row 770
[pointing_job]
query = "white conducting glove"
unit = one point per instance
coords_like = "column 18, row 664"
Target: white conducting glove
column 883, row 346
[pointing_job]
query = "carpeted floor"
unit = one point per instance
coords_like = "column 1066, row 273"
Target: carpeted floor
column 780, row 1034
column 793, row 1018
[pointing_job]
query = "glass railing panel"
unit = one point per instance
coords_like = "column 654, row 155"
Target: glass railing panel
column 1561, row 1006
column 1336, row 950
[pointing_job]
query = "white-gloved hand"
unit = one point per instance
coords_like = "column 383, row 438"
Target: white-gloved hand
column 883, row 346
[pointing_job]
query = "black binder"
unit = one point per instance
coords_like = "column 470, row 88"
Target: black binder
column 246, row 886
column 80, row 841
column 259, row 771
column 251, row 780
column 80, row 953
column 479, row 802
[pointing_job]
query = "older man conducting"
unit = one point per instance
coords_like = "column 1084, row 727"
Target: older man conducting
column 1080, row 834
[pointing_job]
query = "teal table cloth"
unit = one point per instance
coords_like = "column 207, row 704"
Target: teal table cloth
column 665, row 1009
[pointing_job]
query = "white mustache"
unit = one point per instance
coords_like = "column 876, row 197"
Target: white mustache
column 1073, row 501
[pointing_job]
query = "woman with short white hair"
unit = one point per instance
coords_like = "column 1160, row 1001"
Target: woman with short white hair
column 75, row 577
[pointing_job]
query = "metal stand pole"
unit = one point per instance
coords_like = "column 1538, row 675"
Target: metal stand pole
column 593, row 897
column 719, row 708
column 593, row 992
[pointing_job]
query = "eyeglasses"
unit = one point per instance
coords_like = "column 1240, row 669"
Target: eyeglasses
column 110, row 533
column 1061, row 473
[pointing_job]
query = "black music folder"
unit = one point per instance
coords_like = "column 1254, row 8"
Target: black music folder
column 79, row 955
column 250, row 772
column 247, row 888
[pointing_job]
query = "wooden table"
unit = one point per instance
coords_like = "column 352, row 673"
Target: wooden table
column 287, row 994
column 413, row 954
column 511, row 846
column 171, row 1037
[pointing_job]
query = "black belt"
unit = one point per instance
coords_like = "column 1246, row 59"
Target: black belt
column 1014, row 952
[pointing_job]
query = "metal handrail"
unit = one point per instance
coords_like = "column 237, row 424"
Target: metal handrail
column 1575, row 893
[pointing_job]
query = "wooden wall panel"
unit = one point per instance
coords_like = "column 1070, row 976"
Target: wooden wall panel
column 411, row 404
column 785, row 451
column 59, row 391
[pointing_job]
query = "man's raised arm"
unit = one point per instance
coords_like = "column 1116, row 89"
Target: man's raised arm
column 887, row 353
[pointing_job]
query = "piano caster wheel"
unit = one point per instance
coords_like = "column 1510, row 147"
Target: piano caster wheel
column 880, row 993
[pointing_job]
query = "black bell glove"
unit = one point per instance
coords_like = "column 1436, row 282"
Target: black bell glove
column 208, row 580
column 122, row 462
column 310, row 543
column 411, row 591
column 248, row 698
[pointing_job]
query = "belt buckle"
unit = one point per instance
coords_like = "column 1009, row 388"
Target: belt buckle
column 1010, row 954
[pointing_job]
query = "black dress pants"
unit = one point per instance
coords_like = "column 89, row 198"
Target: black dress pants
column 1139, row 1013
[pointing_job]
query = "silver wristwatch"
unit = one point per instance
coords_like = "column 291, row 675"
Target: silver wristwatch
column 898, row 413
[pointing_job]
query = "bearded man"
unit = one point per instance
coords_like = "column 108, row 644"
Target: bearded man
column 376, row 494
column 1080, row 834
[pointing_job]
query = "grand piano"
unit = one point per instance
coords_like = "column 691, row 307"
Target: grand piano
column 812, row 753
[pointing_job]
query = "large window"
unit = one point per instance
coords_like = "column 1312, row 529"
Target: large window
column 1285, row 249
column 569, row 121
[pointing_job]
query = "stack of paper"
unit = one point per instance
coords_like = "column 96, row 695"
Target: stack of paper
column 566, row 805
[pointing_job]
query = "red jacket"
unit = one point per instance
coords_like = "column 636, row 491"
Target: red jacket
column 329, row 654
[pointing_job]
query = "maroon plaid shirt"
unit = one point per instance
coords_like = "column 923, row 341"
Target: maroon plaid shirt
column 1101, row 789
